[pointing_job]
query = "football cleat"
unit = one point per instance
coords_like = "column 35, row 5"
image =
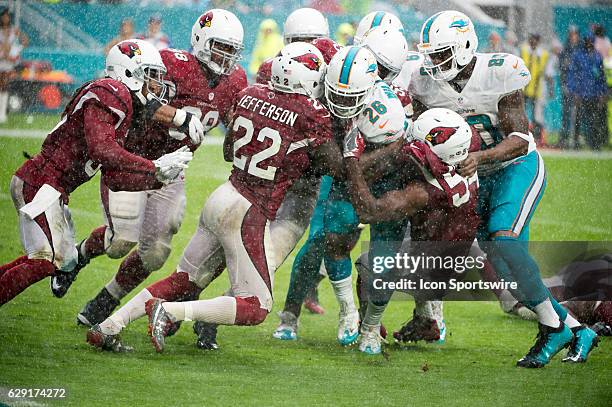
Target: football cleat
column 549, row 342
column 207, row 335
column 61, row 281
column 287, row 329
column 421, row 328
column 160, row 323
column 370, row 341
column 585, row 339
column 100, row 340
column 98, row 309
column 348, row 327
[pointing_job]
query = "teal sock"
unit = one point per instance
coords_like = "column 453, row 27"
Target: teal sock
column 338, row 269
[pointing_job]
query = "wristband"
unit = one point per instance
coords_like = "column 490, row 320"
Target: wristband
column 184, row 128
column 180, row 117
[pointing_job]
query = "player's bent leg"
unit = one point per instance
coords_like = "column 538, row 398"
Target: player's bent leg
column 48, row 240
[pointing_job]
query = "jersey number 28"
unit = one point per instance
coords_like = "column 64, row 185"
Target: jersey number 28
column 240, row 161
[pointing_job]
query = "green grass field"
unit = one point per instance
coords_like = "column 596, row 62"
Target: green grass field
column 41, row 346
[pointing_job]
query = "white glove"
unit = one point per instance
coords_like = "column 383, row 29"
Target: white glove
column 170, row 165
column 188, row 123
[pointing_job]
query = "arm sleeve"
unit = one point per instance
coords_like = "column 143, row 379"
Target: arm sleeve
column 102, row 147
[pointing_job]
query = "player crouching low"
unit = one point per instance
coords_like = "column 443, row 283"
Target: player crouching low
column 440, row 204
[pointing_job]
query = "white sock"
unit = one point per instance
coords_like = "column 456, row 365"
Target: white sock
column 424, row 309
column 130, row 312
column 373, row 315
column 546, row 314
column 571, row 322
column 3, row 106
column 115, row 289
column 220, row 310
column 344, row 294
column 437, row 309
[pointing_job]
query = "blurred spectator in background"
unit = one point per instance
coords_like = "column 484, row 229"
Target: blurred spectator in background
column 269, row 42
column 602, row 42
column 495, row 43
column 12, row 42
column 327, row 6
column 345, row 33
column 154, row 34
column 587, row 83
column 126, row 31
column 536, row 59
column 568, row 105
column 510, row 43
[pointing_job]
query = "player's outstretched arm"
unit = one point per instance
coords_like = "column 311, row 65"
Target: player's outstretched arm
column 377, row 163
column 513, row 122
column 394, row 205
column 102, row 147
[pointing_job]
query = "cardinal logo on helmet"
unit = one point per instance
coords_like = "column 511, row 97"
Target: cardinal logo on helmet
column 310, row 61
column 131, row 49
column 439, row 135
column 206, row 19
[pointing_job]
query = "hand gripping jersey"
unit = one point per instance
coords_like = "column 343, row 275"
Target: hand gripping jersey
column 384, row 118
column 192, row 90
column 494, row 76
column 272, row 134
column 89, row 136
column 451, row 211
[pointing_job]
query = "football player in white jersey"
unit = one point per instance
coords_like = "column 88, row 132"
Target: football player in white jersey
column 487, row 90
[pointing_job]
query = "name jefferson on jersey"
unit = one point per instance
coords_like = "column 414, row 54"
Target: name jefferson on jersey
column 269, row 110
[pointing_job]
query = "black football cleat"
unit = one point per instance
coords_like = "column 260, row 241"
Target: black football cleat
column 549, row 342
column 62, row 280
column 207, row 335
column 98, row 309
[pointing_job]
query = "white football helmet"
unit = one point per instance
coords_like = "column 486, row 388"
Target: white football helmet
column 350, row 77
column 305, row 24
column 447, row 37
column 390, row 48
column 299, row 68
column 376, row 19
column 446, row 132
column 217, row 40
column 136, row 63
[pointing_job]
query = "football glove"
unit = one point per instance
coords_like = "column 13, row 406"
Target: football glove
column 187, row 123
column 353, row 144
column 170, row 165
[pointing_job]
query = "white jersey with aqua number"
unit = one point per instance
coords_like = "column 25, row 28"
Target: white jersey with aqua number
column 383, row 118
column 494, row 76
column 411, row 67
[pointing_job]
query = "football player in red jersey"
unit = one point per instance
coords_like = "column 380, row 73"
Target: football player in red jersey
column 440, row 204
column 89, row 137
column 204, row 84
column 277, row 133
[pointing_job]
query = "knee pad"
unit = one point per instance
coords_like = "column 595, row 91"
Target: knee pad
column 153, row 255
column 249, row 311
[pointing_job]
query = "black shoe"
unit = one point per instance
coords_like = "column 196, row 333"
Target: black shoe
column 549, row 342
column 61, row 281
column 98, row 309
column 207, row 335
